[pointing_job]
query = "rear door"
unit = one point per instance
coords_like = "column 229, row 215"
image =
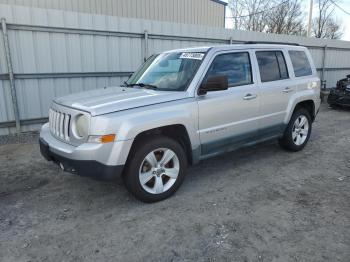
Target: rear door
column 276, row 90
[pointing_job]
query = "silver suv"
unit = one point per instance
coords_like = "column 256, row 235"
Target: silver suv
column 183, row 106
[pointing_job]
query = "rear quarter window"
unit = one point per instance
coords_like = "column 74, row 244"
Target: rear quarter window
column 300, row 62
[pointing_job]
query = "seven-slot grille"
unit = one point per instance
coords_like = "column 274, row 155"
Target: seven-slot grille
column 59, row 124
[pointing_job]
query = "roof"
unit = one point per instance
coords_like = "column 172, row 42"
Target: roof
column 254, row 46
column 191, row 49
column 247, row 45
column 220, row 2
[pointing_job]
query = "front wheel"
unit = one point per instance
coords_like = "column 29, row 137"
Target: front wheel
column 156, row 169
column 298, row 131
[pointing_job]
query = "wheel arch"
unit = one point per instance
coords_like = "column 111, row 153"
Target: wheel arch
column 178, row 132
column 308, row 104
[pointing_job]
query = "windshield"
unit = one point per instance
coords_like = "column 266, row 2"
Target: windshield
column 168, row 72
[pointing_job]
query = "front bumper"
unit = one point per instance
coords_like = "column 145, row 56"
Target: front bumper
column 88, row 168
column 101, row 161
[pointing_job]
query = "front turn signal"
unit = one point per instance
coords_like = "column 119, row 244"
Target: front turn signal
column 102, row 139
column 107, row 138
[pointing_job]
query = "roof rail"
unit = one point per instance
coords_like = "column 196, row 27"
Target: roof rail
column 266, row 42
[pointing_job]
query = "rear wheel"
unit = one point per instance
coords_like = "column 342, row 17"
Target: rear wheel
column 298, row 131
column 155, row 169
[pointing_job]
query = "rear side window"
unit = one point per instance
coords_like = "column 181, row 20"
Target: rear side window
column 272, row 66
column 301, row 64
column 236, row 66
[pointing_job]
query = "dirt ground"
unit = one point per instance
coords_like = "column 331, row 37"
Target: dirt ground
column 256, row 204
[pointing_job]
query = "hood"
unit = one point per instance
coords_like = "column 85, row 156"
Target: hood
column 112, row 99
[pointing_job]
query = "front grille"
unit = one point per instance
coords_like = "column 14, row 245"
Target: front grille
column 59, row 124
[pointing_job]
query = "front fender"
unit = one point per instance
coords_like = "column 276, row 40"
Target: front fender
column 129, row 123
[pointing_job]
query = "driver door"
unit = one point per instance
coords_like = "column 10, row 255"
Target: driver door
column 229, row 118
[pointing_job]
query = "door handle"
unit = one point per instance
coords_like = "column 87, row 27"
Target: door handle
column 287, row 90
column 250, row 96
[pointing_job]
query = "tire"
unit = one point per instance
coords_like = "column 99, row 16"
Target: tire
column 334, row 106
column 156, row 185
column 296, row 137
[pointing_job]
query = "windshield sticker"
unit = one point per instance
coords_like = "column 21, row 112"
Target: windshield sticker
column 198, row 56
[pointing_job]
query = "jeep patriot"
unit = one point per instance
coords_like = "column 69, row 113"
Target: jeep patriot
column 183, row 106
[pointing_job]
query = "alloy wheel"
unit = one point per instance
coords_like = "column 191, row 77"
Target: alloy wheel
column 300, row 130
column 159, row 170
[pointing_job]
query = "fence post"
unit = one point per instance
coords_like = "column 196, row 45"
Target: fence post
column 231, row 40
column 323, row 66
column 145, row 53
column 10, row 73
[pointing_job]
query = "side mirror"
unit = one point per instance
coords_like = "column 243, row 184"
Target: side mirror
column 213, row 83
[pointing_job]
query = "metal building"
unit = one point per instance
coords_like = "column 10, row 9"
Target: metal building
column 47, row 53
column 198, row 12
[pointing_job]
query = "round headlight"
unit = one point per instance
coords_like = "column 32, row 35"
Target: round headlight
column 81, row 126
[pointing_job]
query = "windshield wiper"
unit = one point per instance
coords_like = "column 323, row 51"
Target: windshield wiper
column 125, row 84
column 143, row 85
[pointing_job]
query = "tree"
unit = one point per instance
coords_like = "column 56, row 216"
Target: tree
column 325, row 25
column 334, row 30
column 248, row 14
column 286, row 18
column 274, row 16
column 256, row 19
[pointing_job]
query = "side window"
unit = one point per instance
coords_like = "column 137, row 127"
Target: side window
column 272, row 66
column 236, row 66
column 300, row 63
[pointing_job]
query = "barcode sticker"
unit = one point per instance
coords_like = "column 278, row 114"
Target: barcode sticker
column 198, row 56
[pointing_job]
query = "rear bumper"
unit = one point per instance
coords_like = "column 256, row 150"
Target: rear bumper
column 89, row 168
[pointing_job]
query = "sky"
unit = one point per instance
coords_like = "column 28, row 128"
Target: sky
column 338, row 14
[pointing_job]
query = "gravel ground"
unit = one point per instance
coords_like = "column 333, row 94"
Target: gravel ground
column 256, row 204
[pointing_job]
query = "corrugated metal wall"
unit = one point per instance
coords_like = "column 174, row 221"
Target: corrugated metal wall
column 55, row 53
column 199, row 12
